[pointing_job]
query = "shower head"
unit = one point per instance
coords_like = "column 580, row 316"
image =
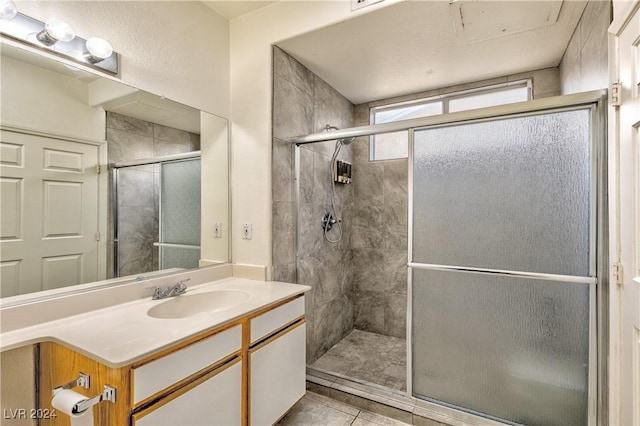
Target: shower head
column 343, row 141
column 346, row 141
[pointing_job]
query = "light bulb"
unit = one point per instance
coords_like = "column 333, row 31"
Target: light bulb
column 98, row 50
column 8, row 9
column 54, row 31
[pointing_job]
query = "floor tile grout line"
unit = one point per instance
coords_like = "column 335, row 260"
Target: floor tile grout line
column 338, row 409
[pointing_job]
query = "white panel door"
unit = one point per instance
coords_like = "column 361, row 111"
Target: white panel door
column 625, row 318
column 49, row 190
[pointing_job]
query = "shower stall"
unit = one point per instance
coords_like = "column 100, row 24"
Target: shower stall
column 499, row 263
column 156, row 214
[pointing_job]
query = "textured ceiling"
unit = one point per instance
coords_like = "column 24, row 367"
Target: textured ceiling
column 232, row 9
column 413, row 46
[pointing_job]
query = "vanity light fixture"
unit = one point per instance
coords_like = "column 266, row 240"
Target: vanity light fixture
column 56, row 37
column 55, row 30
column 8, row 9
column 98, row 50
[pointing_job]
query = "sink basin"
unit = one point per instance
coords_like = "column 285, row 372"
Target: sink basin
column 193, row 304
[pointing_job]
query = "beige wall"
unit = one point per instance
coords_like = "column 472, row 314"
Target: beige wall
column 179, row 49
column 17, row 384
column 215, row 188
column 38, row 99
column 584, row 66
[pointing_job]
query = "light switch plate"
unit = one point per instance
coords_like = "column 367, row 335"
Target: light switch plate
column 246, row 231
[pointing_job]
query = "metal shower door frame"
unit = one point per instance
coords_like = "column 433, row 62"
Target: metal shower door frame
column 115, row 168
column 598, row 262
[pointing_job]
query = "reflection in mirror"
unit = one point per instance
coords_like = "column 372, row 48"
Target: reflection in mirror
column 149, row 194
column 101, row 181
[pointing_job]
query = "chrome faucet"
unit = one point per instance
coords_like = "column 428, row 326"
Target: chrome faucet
column 178, row 288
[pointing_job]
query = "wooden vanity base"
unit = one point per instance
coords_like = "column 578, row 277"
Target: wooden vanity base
column 273, row 327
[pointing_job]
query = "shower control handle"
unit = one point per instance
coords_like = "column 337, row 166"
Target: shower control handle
column 328, row 220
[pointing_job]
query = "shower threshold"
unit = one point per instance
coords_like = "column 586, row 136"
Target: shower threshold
column 366, row 370
column 367, row 396
column 376, row 398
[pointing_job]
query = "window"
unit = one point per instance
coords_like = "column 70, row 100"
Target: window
column 395, row 145
column 486, row 99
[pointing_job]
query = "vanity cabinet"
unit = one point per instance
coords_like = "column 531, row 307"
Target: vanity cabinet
column 248, row 371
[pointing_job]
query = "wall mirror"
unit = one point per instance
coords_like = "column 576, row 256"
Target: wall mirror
column 102, row 182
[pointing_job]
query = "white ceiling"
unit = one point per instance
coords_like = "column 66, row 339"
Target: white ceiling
column 233, row 8
column 413, row 46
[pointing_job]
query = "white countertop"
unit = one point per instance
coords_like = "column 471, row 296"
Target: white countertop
column 122, row 334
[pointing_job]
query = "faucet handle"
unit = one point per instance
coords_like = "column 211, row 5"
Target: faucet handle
column 181, row 287
column 158, row 292
column 181, row 283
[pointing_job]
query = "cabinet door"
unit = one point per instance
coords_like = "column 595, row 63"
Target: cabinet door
column 277, row 376
column 216, row 401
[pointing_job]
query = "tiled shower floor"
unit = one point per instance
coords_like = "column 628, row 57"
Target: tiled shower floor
column 369, row 357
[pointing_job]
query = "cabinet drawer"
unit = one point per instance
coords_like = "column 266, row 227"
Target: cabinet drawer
column 215, row 402
column 266, row 323
column 163, row 372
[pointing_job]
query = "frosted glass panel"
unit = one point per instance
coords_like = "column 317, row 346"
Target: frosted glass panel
column 507, row 194
column 177, row 257
column 180, row 203
column 511, row 348
column 389, row 146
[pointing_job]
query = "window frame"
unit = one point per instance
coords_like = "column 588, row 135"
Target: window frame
column 444, row 99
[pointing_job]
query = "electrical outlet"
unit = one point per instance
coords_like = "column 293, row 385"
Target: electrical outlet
column 217, row 230
column 246, row 231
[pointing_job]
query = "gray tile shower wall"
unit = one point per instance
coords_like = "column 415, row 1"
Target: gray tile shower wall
column 379, row 243
column 302, row 104
column 584, row 65
column 129, row 138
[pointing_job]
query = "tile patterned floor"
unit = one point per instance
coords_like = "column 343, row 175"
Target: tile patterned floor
column 318, row 410
column 369, row 357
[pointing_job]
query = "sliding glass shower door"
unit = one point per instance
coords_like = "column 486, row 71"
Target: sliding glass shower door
column 156, row 214
column 503, row 269
column 180, row 214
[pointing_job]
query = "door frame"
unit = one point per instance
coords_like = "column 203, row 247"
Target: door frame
column 612, row 405
column 599, row 301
